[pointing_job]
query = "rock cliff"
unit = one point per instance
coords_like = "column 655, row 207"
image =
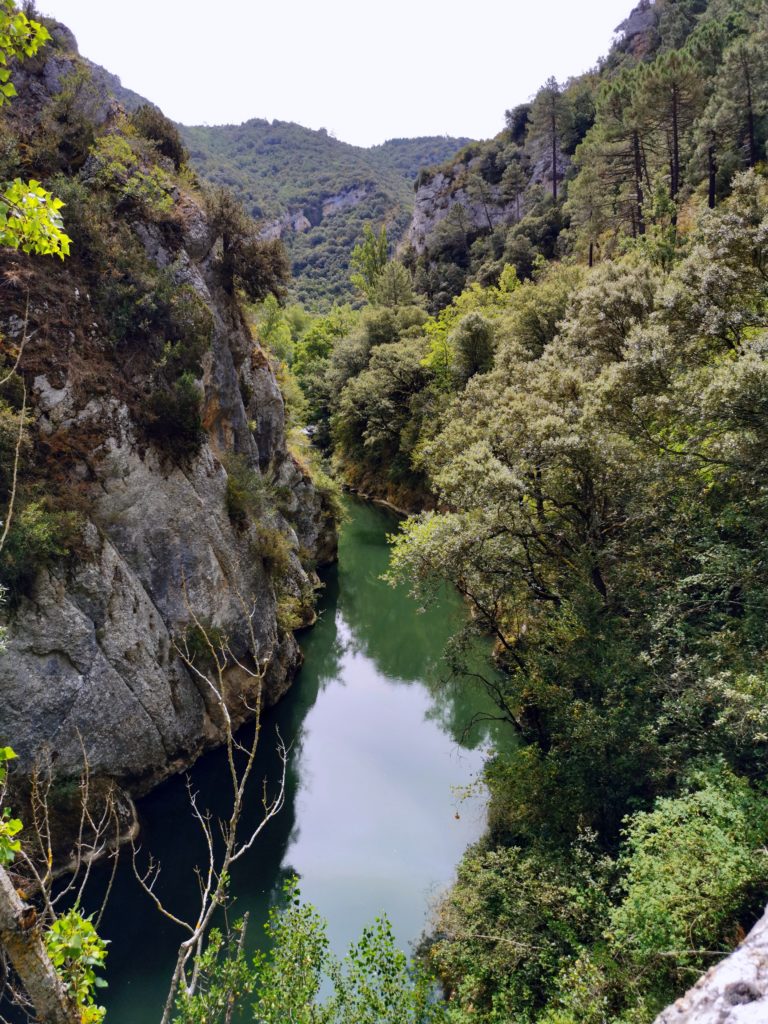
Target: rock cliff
column 156, row 540
column 735, row 991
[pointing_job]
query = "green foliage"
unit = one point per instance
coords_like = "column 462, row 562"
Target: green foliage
column 224, row 980
column 393, row 287
column 473, row 345
column 274, row 329
column 67, row 125
column 331, row 190
column 290, row 974
column 509, row 924
column 248, row 494
column 9, row 826
column 20, row 37
column 376, row 423
column 257, row 266
column 30, row 220
column 694, row 868
column 376, row 985
column 372, row 985
column 672, row 113
column 38, row 537
column 299, row 979
column 174, row 417
column 152, row 124
column 9, row 844
column 368, row 260
column 296, row 405
column 601, row 511
column 117, row 166
column 77, row 952
column 203, row 645
column 272, row 546
column 6, row 754
column 551, row 120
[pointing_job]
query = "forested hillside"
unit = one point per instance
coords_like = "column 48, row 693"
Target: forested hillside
column 315, row 192
column 569, row 366
column 673, row 110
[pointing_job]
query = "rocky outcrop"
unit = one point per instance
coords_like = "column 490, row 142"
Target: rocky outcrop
column 446, row 194
column 299, row 221
column 637, row 34
column 92, row 670
column 735, row 991
column 460, row 195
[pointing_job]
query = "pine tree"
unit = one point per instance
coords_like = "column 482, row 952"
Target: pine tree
column 672, row 93
column 551, row 118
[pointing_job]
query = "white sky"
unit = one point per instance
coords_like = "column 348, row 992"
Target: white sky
column 365, row 72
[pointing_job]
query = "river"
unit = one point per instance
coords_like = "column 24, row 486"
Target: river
column 377, row 812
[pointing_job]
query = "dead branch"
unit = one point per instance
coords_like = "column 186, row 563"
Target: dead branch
column 213, row 878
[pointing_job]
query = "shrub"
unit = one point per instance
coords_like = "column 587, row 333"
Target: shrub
column 695, row 870
column 117, row 168
column 9, row 438
column 173, row 419
column 203, row 645
column 247, row 491
column 190, row 325
column 37, row 538
column 87, row 218
column 152, row 124
column 259, row 267
column 272, row 547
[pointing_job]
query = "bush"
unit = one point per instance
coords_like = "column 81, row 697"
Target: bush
column 272, row 547
column 9, row 438
column 136, row 184
column 203, row 645
column 173, row 419
column 152, row 124
column 247, row 493
column 695, row 871
column 190, row 325
column 259, row 267
column 37, row 538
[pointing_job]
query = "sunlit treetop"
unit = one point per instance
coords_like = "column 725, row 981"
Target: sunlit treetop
column 20, row 37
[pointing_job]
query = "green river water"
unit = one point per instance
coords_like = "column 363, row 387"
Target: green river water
column 374, row 820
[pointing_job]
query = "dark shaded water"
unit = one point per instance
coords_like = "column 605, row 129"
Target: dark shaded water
column 374, row 819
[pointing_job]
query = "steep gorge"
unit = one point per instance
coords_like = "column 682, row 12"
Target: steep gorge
column 137, row 460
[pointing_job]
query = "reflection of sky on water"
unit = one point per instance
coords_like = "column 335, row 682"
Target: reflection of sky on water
column 375, row 807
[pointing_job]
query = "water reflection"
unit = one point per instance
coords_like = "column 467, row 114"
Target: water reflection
column 372, row 821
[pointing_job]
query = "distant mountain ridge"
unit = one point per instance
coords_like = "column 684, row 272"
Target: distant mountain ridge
column 314, row 191
column 309, row 188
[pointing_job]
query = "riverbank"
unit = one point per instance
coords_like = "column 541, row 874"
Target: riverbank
column 375, row 818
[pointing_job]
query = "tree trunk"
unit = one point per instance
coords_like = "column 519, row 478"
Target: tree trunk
column 750, row 114
column 22, row 940
column 638, row 182
column 675, row 183
column 554, row 156
column 712, row 174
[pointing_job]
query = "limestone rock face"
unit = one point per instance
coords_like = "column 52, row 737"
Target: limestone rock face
column 92, row 668
column 299, row 221
column 735, row 991
column 444, row 195
column 447, row 194
column 637, row 32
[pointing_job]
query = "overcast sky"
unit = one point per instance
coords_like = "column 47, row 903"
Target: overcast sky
column 367, row 72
